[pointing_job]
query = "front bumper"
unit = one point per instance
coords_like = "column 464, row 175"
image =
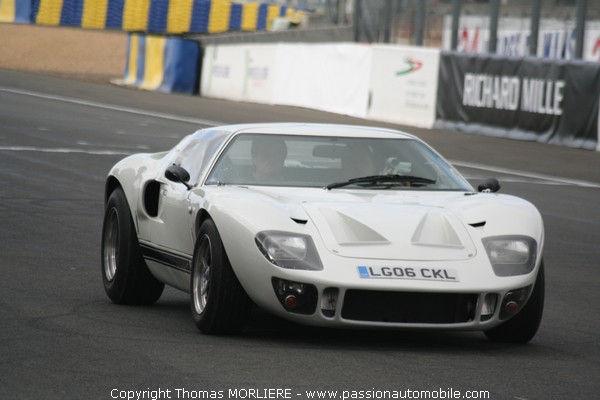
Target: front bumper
column 335, row 306
column 340, row 296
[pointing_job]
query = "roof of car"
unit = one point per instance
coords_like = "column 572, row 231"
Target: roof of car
column 290, row 128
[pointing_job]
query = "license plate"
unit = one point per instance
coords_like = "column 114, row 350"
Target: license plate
column 419, row 273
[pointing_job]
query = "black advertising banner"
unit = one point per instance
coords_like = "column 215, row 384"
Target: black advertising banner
column 548, row 101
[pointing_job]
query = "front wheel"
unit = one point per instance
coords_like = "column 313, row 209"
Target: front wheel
column 219, row 303
column 125, row 275
column 522, row 327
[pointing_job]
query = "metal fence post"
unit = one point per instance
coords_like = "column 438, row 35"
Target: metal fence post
column 494, row 11
column 536, row 8
column 357, row 19
column 580, row 28
column 387, row 21
column 420, row 23
column 455, row 23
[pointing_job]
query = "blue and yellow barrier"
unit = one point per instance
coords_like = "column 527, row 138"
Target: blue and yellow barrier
column 154, row 62
column 151, row 16
column 162, row 64
column 15, row 11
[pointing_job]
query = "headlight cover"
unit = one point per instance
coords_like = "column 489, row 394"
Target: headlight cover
column 511, row 255
column 289, row 250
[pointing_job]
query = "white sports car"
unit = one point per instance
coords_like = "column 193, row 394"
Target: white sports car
column 329, row 225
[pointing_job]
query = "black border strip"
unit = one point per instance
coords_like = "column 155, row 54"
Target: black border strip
column 166, row 258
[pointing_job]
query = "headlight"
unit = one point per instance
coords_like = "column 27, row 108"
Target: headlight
column 511, row 255
column 289, row 250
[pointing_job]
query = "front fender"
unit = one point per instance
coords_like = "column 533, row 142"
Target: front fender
column 131, row 174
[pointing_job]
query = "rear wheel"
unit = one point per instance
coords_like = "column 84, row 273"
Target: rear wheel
column 125, row 275
column 219, row 303
column 522, row 327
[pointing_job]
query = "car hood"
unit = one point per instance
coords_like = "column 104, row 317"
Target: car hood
column 391, row 231
column 386, row 225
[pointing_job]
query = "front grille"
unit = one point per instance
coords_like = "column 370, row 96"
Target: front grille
column 409, row 307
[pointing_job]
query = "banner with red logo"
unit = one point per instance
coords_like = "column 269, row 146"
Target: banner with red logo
column 403, row 85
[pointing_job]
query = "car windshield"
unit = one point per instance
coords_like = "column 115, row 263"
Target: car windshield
column 334, row 162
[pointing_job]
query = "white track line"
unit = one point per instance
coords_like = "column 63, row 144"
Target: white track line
column 63, row 150
column 110, row 107
column 567, row 181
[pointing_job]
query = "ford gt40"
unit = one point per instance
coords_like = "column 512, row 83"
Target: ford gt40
column 327, row 225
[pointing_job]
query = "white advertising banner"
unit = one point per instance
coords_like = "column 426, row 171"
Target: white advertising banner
column 261, row 68
column 223, row 72
column 387, row 83
column 404, row 82
column 328, row 77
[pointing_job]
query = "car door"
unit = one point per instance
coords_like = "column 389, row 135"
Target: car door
column 171, row 228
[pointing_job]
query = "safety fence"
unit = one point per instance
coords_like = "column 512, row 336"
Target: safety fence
column 152, row 16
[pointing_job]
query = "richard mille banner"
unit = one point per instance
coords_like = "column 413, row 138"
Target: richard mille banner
column 521, row 98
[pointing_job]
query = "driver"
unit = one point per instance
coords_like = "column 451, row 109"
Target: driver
column 268, row 157
column 357, row 161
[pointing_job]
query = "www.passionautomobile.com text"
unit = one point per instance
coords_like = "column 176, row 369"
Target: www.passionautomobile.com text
column 286, row 393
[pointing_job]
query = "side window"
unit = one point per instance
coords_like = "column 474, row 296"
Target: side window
column 235, row 164
column 176, row 154
column 196, row 154
column 191, row 156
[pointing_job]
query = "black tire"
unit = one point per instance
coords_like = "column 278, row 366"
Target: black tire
column 219, row 303
column 522, row 327
column 125, row 275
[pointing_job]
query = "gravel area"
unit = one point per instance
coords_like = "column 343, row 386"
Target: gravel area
column 79, row 53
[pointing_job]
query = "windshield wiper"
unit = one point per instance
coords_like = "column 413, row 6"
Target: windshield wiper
column 376, row 179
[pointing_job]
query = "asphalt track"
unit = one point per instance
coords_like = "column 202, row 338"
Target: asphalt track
column 60, row 337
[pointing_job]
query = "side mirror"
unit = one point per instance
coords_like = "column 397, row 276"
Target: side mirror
column 489, row 185
column 178, row 174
